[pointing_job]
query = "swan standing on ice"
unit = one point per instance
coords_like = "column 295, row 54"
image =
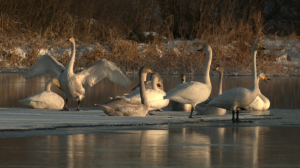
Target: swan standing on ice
column 261, row 102
column 176, row 106
column 236, row 98
column 193, row 92
column 155, row 95
column 121, row 106
column 202, row 110
column 71, row 84
column 45, row 99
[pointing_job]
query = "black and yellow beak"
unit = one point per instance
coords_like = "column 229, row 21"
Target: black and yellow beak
column 266, row 79
column 58, row 86
column 200, row 49
column 159, row 84
column 261, row 47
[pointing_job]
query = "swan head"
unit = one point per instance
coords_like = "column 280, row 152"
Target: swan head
column 71, row 39
column 182, row 77
column 257, row 47
column 205, row 48
column 155, row 79
column 55, row 82
column 263, row 77
column 219, row 69
column 145, row 70
column 158, row 76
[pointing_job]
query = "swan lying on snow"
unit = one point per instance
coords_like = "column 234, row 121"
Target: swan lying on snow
column 121, row 106
column 71, row 84
column 45, row 99
column 261, row 102
column 202, row 110
column 236, row 98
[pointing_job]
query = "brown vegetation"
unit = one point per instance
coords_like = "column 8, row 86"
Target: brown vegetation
column 118, row 27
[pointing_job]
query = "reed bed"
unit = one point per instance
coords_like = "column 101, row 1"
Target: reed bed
column 117, row 30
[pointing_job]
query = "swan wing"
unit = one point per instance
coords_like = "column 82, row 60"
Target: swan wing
column 189, row 92
column 102, row 69
column 155, row 98
column 231, row 98
column 46, row 64
column 152, row 95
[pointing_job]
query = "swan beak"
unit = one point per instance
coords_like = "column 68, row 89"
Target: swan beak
column 266, row 79
column 201, row 49
column 261, row 47
column 58, row 86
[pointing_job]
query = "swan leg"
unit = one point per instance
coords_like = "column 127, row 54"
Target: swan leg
column 237, row 116
column 150, row 113
column 192, row 110
column 78, row 106
column 233, row 116
column 159, row 110
column 65, row 107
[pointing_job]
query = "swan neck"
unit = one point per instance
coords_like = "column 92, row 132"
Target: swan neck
column 70, row 64
column 48, row 86
column 153, row 83
column 220, row 83
column 144, row 99
column 254, row 73
column 207, row 67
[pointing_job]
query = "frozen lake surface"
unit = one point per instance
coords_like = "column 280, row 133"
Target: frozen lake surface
column 89, row 138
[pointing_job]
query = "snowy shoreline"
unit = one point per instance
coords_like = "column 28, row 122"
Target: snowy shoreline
column 22, row 119
column 285, row 52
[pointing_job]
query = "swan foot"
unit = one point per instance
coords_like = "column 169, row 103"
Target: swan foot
column 191, row 115
column 65, row 107
column 150, row 113
column 236, row 121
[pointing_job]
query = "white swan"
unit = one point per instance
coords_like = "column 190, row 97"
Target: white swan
column 45, row 99
column 202, row 110
column 155, row 96
column 261, row 102
column 176, row 106
column 148, row 84
column 121, row 106
column 71, row 84
column 236, row 98
column 193, row 92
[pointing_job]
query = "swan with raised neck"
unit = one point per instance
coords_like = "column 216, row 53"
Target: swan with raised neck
column 194, row 92
column 236, row 98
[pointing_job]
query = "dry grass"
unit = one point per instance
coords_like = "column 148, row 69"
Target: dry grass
column 119, row 28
